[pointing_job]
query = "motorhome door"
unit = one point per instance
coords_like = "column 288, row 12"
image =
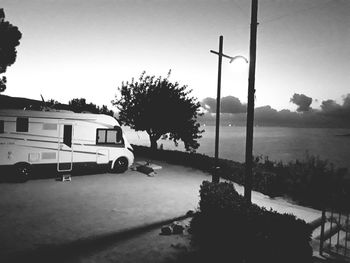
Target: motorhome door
column 65, row 148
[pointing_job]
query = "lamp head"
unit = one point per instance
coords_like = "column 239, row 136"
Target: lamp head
column 239, row 57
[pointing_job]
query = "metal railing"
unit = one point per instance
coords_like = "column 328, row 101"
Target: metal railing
column 335, row 234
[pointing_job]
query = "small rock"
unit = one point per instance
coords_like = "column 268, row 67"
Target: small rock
column 177, row 228
column 166, row 230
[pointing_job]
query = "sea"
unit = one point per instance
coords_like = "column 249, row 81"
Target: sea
column 278, row 143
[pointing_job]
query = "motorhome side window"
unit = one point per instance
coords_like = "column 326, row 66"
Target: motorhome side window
column 2, row 126
column 109, row 136
column 22, row 124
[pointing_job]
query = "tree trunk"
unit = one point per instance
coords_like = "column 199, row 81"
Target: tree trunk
column 153, row 142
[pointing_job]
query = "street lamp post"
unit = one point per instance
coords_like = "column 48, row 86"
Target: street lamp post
column 215, row 177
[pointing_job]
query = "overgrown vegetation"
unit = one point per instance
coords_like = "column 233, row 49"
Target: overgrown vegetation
column 311, row 181
column 228, row 229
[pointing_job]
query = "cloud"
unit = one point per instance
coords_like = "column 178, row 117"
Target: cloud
column 330, row 107
column 232, row 104
column 335, row 110
column 228, row 104
column 302, row 101
column 331, row 114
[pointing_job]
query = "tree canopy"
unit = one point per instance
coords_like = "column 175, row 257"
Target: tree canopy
column 161, row 108
column 9, row 40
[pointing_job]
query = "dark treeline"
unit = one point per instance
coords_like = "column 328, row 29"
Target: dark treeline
column 76, row 105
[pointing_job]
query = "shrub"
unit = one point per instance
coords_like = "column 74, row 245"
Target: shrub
column 312, row 181
column 228, row 229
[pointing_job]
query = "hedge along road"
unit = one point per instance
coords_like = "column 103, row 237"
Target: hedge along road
column 44, row 212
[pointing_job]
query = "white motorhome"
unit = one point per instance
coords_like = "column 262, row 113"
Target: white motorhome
column 62, row 140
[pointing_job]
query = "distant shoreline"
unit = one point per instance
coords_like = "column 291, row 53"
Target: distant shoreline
column 344, row 135
column 203, row 125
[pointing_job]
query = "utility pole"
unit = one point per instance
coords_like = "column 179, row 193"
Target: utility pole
column 250, row 107
column 215, row 176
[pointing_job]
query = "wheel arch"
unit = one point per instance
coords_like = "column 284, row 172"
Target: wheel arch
column 115, row 160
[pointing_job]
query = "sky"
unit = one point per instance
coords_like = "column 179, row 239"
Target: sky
column 73, row 49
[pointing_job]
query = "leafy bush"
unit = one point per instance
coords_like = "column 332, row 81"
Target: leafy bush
column 312, row 181
column 228, row 229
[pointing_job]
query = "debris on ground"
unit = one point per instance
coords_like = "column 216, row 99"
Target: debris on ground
column 149, row 164
column 146, row 167
column 174, row 228
column 178, row 228
column 166, row 230
column 146, row 170
column 64, row 178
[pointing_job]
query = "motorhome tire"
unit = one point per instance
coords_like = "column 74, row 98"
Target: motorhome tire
column 22, row 172
column 120, row 165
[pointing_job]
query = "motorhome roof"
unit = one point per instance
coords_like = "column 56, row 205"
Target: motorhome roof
column 59, row 115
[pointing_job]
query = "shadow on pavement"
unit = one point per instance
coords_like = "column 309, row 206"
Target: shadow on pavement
column 72, row 251
column 8, row 174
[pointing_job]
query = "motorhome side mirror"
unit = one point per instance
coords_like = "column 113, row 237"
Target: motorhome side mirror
column 119, row 134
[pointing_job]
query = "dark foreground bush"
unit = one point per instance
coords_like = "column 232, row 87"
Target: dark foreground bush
column 227, row 229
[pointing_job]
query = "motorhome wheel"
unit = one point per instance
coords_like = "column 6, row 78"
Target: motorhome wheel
column 23, row 171
column 120, row 165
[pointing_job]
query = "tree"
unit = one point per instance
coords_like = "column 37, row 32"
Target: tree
column 52, row 103
column 104, row 110
column 9, row 40
column 161, row 108
column 80, row 105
